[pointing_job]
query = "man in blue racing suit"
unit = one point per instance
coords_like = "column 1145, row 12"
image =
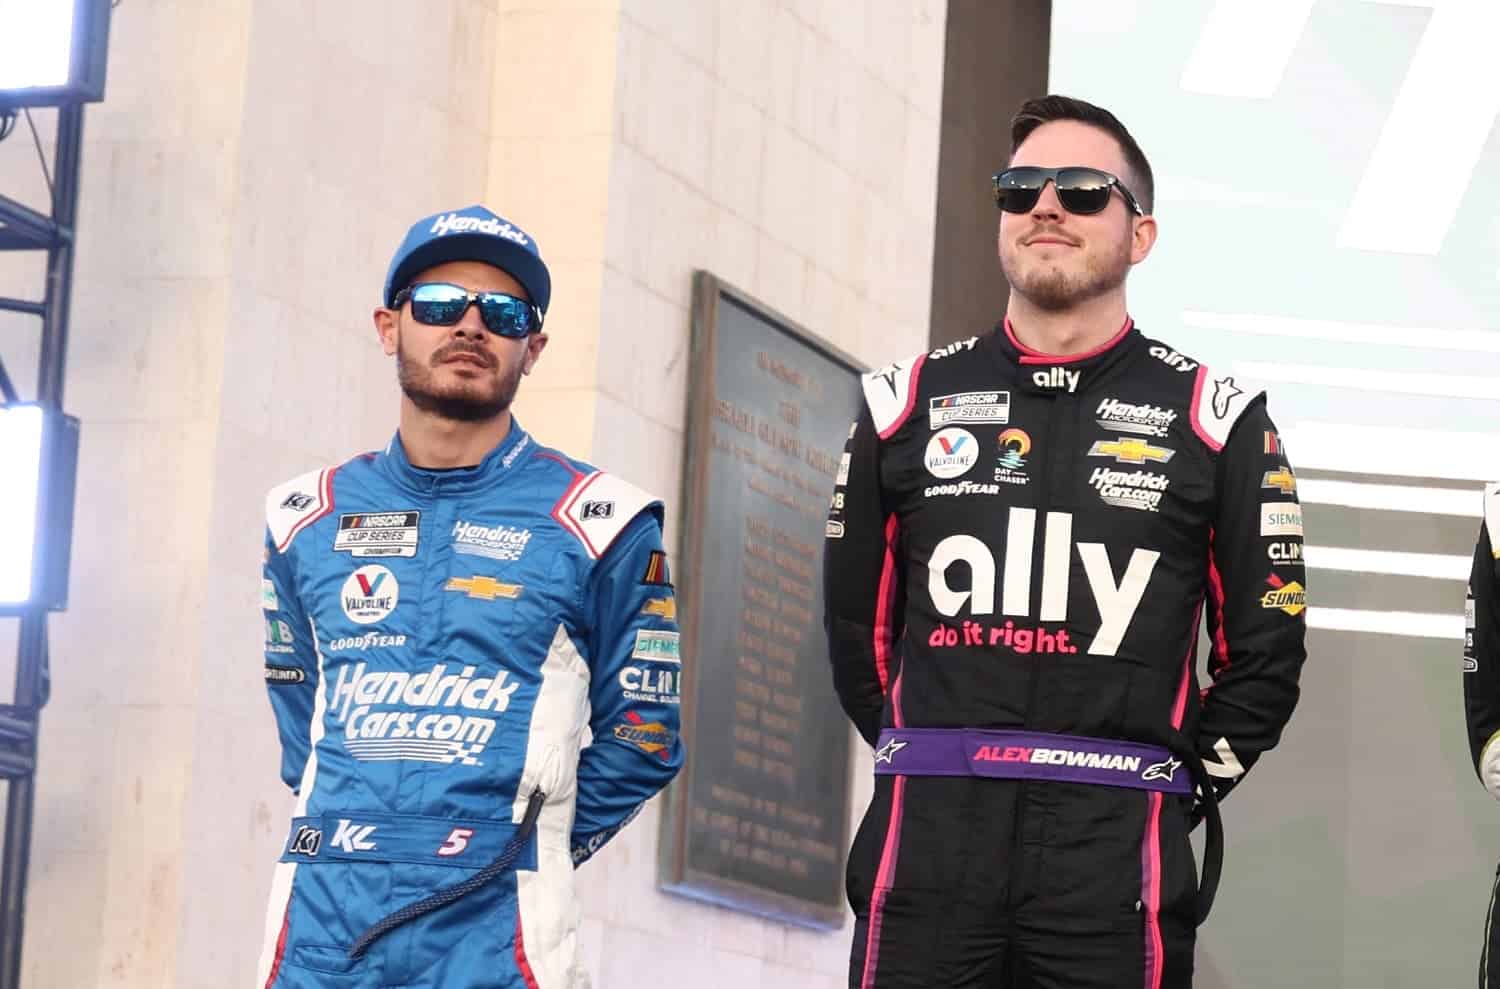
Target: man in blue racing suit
column 444, row 620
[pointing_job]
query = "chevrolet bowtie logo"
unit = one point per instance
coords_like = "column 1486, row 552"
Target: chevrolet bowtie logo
column 1280, row 478
column 483, row 588
column 1131, row 451
column 662, row 608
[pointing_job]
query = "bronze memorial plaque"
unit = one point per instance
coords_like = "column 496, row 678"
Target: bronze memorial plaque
column 758, row 819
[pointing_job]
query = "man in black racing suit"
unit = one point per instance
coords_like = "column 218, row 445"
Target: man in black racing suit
column 1026, row 529
column 1482, row 692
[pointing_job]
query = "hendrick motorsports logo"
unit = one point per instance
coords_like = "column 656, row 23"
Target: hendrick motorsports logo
column 499, row 542
column 1144, row 420
column 432, row 716
column 370, row 594
column 1138, row 489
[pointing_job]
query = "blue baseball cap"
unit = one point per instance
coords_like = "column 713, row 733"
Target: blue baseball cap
column 470, row 234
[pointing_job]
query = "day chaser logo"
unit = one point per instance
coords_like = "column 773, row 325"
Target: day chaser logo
column 497, row 542
column 483, row 588
column 379, row 534
column 1283, row 596
column 370, row 594
column 431, row 716
column 1138, row 489
column 1011, row 464
column 969, row 406
column 1128, row 450
column 1144, row 420
column 1281, row 480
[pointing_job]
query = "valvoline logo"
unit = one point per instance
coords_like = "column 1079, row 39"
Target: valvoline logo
column 370, row 594
column 951, row 453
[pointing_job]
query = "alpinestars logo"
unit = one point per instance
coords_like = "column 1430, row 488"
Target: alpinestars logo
column 452, row 223
column 1143, row 420
column 385, row 714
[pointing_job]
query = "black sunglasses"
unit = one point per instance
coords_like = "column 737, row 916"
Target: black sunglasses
column 443, row 304
column 1081, row 190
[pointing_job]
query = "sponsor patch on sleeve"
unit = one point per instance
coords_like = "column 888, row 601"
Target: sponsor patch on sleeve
column 656, row 571
column 1280, row 519
column 651, row 737
column 656, row 645
column 268, row 599
column 284, row 674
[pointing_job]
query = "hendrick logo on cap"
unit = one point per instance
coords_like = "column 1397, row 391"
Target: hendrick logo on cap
column 452, row 223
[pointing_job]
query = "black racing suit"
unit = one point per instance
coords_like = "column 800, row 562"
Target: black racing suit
column 1482, row 692
column 1024, row 541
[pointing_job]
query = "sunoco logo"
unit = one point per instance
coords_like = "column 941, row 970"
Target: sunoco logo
column 1138, row 489
column 500, row 542
column 1144, row 420
column 433, row 719
column 370, row 594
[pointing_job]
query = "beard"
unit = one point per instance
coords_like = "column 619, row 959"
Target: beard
column 465, row 401
column 1052, row 288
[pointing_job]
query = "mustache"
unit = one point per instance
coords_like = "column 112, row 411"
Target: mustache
column 1049, row 232
column 451, row 350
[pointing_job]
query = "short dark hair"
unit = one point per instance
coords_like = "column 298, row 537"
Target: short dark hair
column 1035, row 113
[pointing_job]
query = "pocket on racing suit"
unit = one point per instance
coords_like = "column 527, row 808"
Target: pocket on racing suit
column 1179, row 867
column 327, row 959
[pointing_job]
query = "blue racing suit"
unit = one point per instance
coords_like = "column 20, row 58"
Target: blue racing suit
column 437, row 642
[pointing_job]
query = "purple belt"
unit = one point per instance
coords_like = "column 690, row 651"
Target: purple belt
column 1026, row 755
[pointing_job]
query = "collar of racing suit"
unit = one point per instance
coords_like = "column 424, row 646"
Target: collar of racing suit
column 1051, row 373
column 420, row 480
